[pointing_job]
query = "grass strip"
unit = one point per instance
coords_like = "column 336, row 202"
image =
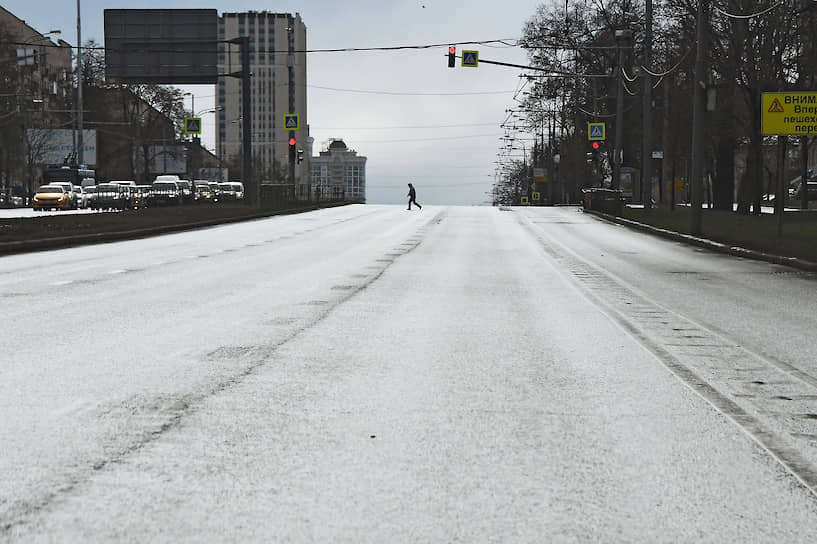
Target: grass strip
column 756, row 232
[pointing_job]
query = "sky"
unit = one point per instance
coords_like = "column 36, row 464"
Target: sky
column 415, row 119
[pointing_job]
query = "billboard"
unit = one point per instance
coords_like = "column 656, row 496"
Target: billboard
column 169, row 46
column 52, row 145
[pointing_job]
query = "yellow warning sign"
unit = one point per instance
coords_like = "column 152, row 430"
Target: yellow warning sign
column 789, row 113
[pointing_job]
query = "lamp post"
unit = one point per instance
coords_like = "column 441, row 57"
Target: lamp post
column 192, row 102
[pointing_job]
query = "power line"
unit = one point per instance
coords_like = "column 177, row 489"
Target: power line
column 423, row 139
column 280, row 52
column 460, row 93
column 404, row 127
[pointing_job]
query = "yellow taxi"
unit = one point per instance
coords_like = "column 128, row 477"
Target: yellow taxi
column 50, row 197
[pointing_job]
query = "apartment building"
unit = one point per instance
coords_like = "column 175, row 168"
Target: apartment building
column 339, row 173
column 278, row 66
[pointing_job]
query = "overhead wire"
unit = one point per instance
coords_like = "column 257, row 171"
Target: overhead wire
column 749, row 16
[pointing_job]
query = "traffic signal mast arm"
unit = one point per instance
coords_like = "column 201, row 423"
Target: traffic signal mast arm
column 452, row 56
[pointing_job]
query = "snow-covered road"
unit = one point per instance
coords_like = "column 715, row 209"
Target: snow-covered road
column 367, row 374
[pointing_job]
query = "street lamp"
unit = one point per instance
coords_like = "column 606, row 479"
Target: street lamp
column 192, row 102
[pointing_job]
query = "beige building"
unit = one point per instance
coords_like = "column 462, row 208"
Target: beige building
column 339, row 173
column 278, row 66
column 36, row 96
column 43, row 62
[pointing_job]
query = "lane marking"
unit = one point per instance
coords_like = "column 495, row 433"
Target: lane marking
column 612, row 296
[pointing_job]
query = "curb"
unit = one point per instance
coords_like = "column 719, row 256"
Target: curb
column 705, row 243
column 28, row 246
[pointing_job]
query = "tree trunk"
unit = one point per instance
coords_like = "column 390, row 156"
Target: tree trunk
column 723, row 190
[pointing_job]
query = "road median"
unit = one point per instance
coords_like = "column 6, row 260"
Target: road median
column 22, row 235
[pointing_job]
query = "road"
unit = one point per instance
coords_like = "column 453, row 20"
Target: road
column 369, row 374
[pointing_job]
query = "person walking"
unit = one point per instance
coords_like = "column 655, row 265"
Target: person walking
column 412, row 194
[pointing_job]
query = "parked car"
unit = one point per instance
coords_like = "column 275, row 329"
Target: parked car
column 811, row 187
column 80, row 197
column 238, row 188
column 52, row 197
column 112, row 196
column 164, row 193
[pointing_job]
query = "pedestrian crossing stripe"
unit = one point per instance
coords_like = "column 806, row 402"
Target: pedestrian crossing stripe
column 470, row 58
column 595, row 131
column 292, row 121
column 776, row 106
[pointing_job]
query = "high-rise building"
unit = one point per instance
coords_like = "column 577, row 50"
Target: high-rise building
column 278, row 87
column 339, row 173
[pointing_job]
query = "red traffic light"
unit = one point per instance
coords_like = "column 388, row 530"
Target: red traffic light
column 595, row 145
column 292, row 141
column 452, row 50
column 452, row 56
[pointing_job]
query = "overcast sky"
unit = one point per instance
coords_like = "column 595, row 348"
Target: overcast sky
column 417, row 121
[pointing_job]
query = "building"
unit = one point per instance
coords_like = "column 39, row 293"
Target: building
column 339, row 173
column 278, row 66
column 36, row 96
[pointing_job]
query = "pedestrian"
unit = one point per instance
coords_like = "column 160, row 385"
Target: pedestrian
column 412, row 194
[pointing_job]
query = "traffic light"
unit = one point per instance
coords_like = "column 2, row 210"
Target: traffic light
column 292, row 144
column 596, row 146
column 452, row 56
column 300, row 156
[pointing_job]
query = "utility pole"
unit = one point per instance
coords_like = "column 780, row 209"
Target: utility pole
column 698, row 97
column 80, row 143
column 646, row 109
column 621, row 37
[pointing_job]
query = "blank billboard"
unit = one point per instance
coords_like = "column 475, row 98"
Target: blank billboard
column 169, row 46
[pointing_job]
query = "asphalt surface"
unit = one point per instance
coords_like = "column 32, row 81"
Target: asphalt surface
column 369, row 374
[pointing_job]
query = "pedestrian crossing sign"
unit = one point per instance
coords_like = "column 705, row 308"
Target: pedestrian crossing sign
column 595, row 131
column 470, row 58
column 192, row 125
column 292, row 121
column 524, row 201
column 535, row 196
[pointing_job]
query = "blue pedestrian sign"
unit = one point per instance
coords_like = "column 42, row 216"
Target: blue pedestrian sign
column 595, row 131
column 292, row 121
column 470, row 58
column 192, row 125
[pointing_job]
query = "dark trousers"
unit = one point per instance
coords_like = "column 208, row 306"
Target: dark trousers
column 413, row 201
